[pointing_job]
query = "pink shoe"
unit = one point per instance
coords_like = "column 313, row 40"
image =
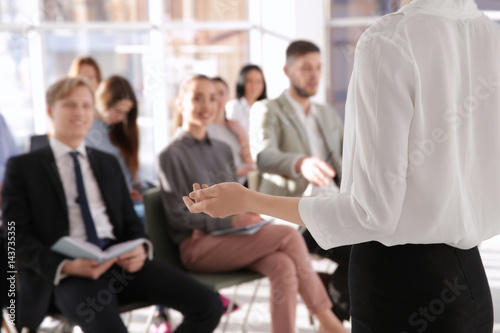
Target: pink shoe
column 225, row 304
column 160, row 325
column 164, row 328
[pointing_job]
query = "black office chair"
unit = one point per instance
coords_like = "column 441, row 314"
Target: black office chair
column 38, row 141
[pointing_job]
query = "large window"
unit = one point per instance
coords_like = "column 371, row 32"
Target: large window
column 94, row 10
column 212, row 52
column 16, row 103
column 348, row 21
column 206, row 10
column 152, row 43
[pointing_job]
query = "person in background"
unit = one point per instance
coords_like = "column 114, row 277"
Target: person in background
column 67, row 189
column 7, row 149
column 115, row 129
column 87, row 67
column 297, row 146
column 277, row 251
column 231, row 133
column 250, row 87
column 421, row 173
column 84, row 66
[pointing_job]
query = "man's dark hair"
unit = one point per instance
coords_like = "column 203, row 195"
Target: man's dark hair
column 299, row 48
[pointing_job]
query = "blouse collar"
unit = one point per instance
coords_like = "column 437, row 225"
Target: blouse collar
column 450, row 8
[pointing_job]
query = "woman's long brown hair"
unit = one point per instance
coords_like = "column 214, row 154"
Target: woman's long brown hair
column 124, row 135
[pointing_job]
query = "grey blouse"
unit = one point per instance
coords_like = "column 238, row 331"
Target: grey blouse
column 183, row 162
column 227, row 136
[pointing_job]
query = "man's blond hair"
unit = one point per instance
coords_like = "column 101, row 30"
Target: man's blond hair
column 64, row 87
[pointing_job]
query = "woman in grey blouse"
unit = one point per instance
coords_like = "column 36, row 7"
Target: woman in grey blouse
column 276, row 251
column 231, row 132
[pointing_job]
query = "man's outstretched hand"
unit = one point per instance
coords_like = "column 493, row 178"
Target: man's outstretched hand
column 219, row 200
column 315, row 170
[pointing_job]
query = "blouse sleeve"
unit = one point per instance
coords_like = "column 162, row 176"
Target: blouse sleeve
column 379, row 111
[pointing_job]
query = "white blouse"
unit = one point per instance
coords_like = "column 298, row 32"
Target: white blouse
column 422, row 134
column 239, row 110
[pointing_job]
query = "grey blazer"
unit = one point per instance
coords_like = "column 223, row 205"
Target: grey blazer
column 277, row 139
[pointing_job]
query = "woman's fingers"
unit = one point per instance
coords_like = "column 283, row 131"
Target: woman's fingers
column 196, row 187
column 189, row 203
column 198, row 207
column 197, row 194
column 196, row 202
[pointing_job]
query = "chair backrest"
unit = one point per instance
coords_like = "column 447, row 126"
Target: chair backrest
column 156, row 227
column 39, row 141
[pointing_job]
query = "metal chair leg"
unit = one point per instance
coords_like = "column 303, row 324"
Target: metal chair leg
column 149, row 321
column 230, row 308
column 6, row 324
column 254, row 295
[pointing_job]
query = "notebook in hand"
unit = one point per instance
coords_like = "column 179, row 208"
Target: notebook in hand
column 247, row 230
column 78, row 248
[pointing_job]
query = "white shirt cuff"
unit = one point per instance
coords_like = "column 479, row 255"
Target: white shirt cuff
column 150, row 248
column 295, row 174
column 59, row 274
column 307, row 214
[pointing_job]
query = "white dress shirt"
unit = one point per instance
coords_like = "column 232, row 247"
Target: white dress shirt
column 317, row 144
column 103, row 226
column 97, row 206
column 239, row 110
column 422, row 133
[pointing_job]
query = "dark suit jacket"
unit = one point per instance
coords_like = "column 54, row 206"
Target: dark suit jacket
column 33, row 197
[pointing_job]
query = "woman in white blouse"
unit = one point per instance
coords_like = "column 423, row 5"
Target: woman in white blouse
column 232, row 133
column 421, row 175
column 250, row 88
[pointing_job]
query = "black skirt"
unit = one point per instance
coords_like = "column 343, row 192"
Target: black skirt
column 431, row 288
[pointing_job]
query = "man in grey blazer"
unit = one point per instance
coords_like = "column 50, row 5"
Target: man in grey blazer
column 297, row 145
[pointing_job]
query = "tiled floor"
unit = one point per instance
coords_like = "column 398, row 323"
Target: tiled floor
column 259, row 320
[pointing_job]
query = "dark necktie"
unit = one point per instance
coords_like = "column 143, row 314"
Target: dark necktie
column 84, row 204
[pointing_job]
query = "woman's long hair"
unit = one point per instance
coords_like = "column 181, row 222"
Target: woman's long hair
column 124, row 135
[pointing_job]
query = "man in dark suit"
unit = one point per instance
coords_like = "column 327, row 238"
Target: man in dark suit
column 69, row 190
